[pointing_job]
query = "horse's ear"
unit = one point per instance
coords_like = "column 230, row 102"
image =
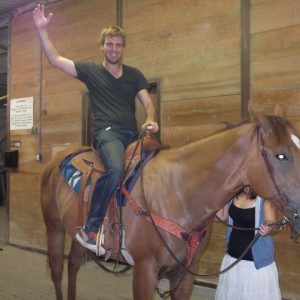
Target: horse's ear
column 255, row 115
column 259, row 119
column 278, row 111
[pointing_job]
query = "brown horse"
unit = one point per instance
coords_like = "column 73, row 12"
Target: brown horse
column 189, row 185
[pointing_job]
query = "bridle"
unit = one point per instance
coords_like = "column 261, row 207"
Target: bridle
column 282, row 195
column 263, row 150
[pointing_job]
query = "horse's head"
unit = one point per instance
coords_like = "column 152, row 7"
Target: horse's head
column 275, row 174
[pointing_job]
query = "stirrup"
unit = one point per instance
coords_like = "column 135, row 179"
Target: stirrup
column 100, row 241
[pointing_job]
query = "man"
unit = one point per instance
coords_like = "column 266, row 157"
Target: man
column 113, row 87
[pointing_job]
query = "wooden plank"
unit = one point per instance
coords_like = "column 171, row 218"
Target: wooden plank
column 22, row 230
column 178, row 136
column 275, row 44
column 275, row 55
column 280, row 74
column 287, row 256
column 289, row 100
column 276, row 60
column 193, row 84
column 24, row 208
column 191, row 55
column 201, row 111
column 269, row 15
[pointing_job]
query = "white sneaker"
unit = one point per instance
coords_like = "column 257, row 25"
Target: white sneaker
column 90, row 241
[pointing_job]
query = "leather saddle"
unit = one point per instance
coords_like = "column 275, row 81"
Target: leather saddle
column 90, row 166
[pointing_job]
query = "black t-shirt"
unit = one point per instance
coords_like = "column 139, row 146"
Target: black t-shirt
column 112, row 99
column 240, row 239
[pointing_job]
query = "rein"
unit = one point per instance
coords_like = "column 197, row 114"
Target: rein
column 195, row 236
column 146, row 213
column 277, row 226
column 95, row 258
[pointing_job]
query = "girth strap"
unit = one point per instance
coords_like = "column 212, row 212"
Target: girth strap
column 85, row 176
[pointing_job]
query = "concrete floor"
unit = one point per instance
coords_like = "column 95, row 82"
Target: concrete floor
column 24, row 275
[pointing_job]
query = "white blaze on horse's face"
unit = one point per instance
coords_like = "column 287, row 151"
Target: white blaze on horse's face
column 295, row 140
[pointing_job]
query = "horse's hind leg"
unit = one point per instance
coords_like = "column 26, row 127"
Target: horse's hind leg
column 55, row 240
column 74, row 261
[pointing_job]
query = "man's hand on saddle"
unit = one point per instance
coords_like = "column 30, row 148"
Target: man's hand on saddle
column 39, row 18
column 151, row 125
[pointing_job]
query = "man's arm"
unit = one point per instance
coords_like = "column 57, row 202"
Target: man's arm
column 147, row 102
column 41, row 22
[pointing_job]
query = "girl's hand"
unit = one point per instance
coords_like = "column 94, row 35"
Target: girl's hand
column 265, row 229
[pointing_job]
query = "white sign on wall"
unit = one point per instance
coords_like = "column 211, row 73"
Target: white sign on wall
column 21, row 113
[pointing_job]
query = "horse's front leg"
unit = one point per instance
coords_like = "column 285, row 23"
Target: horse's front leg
column 181, row 284
column 144, row 280
column 74, row 262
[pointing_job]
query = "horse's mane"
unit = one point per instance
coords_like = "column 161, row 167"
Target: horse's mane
column 279, row 126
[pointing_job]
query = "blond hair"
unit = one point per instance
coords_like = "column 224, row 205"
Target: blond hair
column 112, row 31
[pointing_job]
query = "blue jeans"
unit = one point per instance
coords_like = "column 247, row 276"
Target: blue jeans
column 111, row 144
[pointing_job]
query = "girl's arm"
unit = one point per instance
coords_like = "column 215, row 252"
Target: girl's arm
column 223, row 213
column 270, row 216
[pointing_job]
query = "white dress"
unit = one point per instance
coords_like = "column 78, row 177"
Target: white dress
column 245, row 282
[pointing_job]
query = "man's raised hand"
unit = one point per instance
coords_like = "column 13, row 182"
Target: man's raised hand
column 39, row 18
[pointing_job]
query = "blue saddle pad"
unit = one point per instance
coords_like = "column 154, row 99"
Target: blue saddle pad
column 74, row 176
column 70, row 173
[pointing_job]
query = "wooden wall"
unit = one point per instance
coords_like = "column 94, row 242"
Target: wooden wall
column 192, row 47
column 275, row 49
column 275, row 78
column 57, row 102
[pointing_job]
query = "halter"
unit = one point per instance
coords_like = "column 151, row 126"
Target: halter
column 263, row 150
column 284, row 200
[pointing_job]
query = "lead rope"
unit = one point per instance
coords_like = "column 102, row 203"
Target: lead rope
column 279, row 224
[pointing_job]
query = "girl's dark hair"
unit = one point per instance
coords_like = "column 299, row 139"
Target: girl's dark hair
column 249, row 192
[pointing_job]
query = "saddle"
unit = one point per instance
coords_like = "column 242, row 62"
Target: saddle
column 89, row 165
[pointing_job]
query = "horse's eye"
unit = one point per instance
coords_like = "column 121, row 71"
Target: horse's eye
column 281, row 156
